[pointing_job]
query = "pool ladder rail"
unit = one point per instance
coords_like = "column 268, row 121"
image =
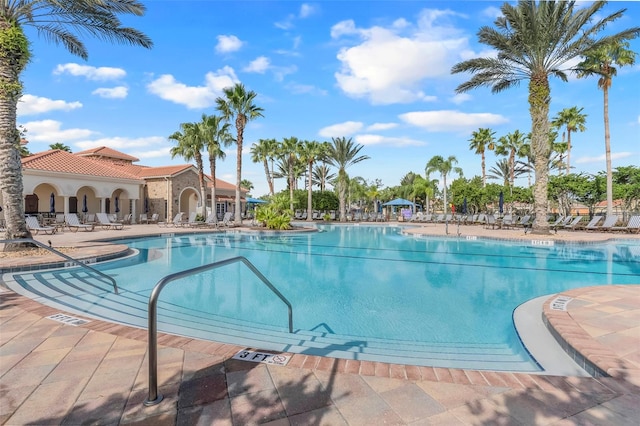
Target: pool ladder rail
column 64, row 256
column 154, row 397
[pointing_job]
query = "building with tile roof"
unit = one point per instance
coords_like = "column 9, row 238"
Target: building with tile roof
column 105, row 180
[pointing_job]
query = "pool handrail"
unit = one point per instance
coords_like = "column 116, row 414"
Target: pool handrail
column 154, row 397
column 64, row 256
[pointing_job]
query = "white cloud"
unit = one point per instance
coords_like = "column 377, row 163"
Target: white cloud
column 90, row 73
column 387, row 67
column 449, row 120
column 460, row 98
column 381, row 126
column 306, row 10
column 280, row 72
column 286, row 23
column 347, row 27
column 369, row 139
column 118, row 92
column 341, row 129
column 166, row 87
column 301, row 89
column 50, row 131
column 259, row 65
column 602, row 158
column 32, row 105
column 128, row 144
column 228, row 43
column 492, row 12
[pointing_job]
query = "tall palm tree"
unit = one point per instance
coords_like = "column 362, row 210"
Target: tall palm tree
column 343, row 153
column 511, row 146
column 601, row 61
column 62, row 24
column 215, row 134
column 60, row 146
column 264, row 151
column 190, row 143
column 289, row 149
column 535, row 40
column 310, row 151
column 321, row 175
column 573, row 120
column 481, row 140
column 237, row 104
column 502, row 170
column 438, row 164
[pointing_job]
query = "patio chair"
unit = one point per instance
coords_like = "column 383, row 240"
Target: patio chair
column 34, row 225
column 632, row 226
column 607, row 225
column 593, row 223
column 193, row 221
column 507, row 221
column 490, row 221
column 154, row 218
column 227, row 220
column 560, row 223
column 574, row 224
column 211, row 220
column 177, row 221
column 73, row 223
column 106, row 223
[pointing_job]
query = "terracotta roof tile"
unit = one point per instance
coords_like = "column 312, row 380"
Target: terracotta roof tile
column 161, row 171
column 104, row 151
column 64, row 162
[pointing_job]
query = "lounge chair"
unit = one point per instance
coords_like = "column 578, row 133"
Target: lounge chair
column 227, row 220
column 574, row 224
column 560, row 223
column 193, row 221
column 593, row 223
column 143, row 218
column 211, row 220
column 607, row 225
column 34, row 225
column 154, row 218
column 507, row 221
column 106, row 223
column 632, row 226
column 73, row 223
column 177, row 221
column 490, row 221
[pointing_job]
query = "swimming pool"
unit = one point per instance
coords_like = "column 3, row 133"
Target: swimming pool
column 361, row 292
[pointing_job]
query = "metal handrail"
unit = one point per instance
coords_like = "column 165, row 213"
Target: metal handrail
column 154, row 397
column 64, row 256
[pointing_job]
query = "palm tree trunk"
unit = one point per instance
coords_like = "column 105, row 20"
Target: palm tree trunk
column 310, row 195
column 11, row 186
column 291, row 182
column 541, row 149
column 203, row 190
column 214, row 207
column 568, row 150
column 484, row 174
column 607, row 150
column 342, row 195
column 266, row 172
column 240, row 131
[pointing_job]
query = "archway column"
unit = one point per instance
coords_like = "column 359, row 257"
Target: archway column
column 66, row 204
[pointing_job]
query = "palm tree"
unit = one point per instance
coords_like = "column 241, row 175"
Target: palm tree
column 511, row 145
column 60, row 146
column 502, row 170
column 190, row 145
column 310, row 151
column 573, row 120
column 535, row 40
column 438, row 164
column 238, row 103
column 264, row 151
column 289, row 149
column 342, row 153
column 215, row 134
column 321, row 175
column 481, row 140
column 57, row 22
column 601, row 61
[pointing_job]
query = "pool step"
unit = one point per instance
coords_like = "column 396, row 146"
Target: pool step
column 80, row 293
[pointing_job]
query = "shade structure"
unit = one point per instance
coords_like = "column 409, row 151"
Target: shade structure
column 255, row 201
column 464, row 206
column 146, row 204
column 117, row 205
column 52, row 203
column 398, row 202
column 501, row 202
column 85, row 208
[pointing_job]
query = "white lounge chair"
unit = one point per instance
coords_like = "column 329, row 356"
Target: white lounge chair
column 632, row 226
column 34, row 225
column 106, row 223
column 607, row 225
column 227, row 220
column 177, row 221
column 73, row 223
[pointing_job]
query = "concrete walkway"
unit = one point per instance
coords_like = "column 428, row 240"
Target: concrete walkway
column 53, row 373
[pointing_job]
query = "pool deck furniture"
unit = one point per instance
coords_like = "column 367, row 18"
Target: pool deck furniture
column 106, row 223
column 574, row 224
column 35, row 227
column 55, row 373
column 176, row 222
column 632, row 226
column 73, row 223
column 593, row 224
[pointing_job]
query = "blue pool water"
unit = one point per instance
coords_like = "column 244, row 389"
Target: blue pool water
column 361, row 286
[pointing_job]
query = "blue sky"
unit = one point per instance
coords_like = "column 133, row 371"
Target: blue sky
column 377, row 71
